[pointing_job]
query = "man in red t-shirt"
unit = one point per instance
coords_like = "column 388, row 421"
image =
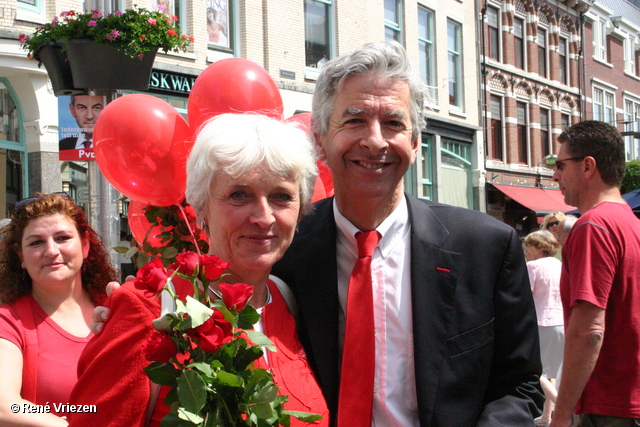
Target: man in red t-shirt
column 600, row 283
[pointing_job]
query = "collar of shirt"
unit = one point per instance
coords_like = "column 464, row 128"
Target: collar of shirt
column 80, row 141
column 394, row 227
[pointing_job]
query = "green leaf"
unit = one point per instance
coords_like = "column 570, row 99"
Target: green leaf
column 172, row 420
column 189, row 416
column 229, row 379
column 248, row 317
column 205, row 368
column 258, row 338
column 265, row 394
column 198, row 312
column 121, row 249
column 170, row 252
column 162, row 373
column 263, row 410
column 192, row 391
column 303, row 416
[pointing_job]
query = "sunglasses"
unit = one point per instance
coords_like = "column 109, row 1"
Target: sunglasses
column 28, row 200
column 552, row 223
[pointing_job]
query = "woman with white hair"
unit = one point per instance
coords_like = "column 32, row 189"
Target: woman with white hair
column 249, row 179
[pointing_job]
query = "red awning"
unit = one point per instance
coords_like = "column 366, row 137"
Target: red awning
column 540, row 200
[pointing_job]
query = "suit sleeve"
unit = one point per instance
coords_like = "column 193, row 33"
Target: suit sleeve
column 110, row 370
column 513, row 396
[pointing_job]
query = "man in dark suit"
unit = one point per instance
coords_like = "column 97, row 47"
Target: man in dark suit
column 456, row 338
column 85, row 109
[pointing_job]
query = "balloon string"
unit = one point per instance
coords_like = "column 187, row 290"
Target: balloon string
column 186, row 220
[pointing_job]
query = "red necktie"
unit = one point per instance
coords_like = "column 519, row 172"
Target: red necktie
column 358, row 355
column 87, row 144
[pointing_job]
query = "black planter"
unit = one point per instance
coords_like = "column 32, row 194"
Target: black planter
column 100, row 66
column 57, row 65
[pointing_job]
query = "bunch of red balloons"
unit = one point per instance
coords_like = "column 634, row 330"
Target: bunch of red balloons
column 142, row 143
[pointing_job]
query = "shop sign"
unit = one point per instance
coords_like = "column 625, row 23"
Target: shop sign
column 164, row 81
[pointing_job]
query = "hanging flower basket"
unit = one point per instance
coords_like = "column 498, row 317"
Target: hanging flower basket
column 101, row 66
column 57, row 65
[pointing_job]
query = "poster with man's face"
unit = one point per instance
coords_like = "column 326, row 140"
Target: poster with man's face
column 77, row 116
column 217, row 23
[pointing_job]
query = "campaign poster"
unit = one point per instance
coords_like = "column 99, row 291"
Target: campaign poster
column 77, row 116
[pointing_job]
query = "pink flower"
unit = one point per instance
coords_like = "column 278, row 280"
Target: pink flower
column 159, row 348
column 151, row 21
column 117, row 13
column 160, row 8
column 23, row 38
column 174, row 18
column 115, row 33
column 92, row 23
column 212, row 267
column 235, row 295
column 96, row 15
column 171, row 32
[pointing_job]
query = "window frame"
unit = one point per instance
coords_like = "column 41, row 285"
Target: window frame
column 455, row 76
column 520, row 40
column 494, row 38
column 632, row 124
column 600, row 39
column 522, row 133
column 394, row 27
column 427, row 46
column 543, row 51
column 564, row 66
column 496, row 128
column 329, row 33
column 545, row 131
column 629, row 54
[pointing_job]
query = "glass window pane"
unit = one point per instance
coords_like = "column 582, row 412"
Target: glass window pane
column 391, row 11
column 424, row 24
column 492, row 16
column 9, row 120
column 316, row 33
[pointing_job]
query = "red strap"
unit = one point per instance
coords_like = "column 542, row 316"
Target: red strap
column 30, row 351
column 355, row 400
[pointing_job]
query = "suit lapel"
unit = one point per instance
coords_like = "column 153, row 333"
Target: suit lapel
column 433, row 285
column 316, row 281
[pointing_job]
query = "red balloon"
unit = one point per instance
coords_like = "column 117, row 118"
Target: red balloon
column 141, row 145
column 140, row 225
column 324, row 183
column 233, row 85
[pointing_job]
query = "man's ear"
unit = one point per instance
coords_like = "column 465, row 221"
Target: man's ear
column 319, row 141
column 415, row 146
column 590, row 167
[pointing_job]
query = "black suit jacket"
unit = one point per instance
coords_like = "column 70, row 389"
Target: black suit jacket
column 68, row 143
column 474, row 323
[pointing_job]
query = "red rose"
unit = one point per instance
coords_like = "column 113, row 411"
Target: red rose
column 159, row 348
column 235, row 295
column 171, row 32
column 212, row 333
column 152, row 276
column 212, row 267
column 186, row 263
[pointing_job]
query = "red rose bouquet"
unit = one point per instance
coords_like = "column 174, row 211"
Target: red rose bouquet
column 204, row 350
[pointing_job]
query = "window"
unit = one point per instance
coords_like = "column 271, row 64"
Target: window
column 542, row 52
column 563, row 66
column 111, row 6
column 519, row 33
column 427, row 168
column 603, row 106
column 496, row 128
column 454, row 47
column 317, row 18
column 632, row 124
column 521, row 132
column 600, row 39
column 545, row 131
column 392, row 20
column 456, row 174
column 427, row 50
column 630, row 54
column 493, row 32
column 13, row 155
column 565, row 121
column 219, row 23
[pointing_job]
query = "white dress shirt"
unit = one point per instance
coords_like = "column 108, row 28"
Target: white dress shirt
column 80, row 142
column 394, row 400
